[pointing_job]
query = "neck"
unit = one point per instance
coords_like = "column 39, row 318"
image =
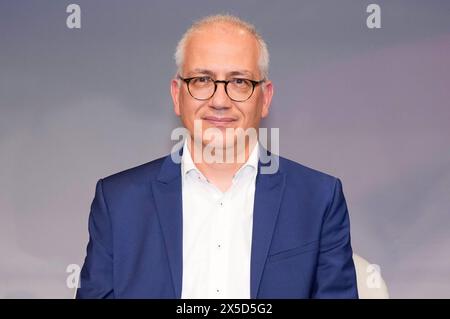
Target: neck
column 221, row 173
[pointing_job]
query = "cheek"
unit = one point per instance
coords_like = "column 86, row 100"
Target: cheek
column 189, row 110
column 252, row 113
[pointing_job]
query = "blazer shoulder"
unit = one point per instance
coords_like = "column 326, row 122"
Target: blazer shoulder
column 137, row 175
column 299, row 173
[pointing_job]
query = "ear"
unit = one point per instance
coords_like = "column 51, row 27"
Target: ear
column 175, row 92
column 267, row 98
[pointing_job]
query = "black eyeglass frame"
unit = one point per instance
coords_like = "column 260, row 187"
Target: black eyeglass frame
column 225, row 82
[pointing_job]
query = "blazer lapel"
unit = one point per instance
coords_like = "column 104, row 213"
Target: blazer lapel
column 268, row 192
column 168, row 199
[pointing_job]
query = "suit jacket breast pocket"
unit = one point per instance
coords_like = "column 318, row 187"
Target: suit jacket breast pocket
column 287, row 253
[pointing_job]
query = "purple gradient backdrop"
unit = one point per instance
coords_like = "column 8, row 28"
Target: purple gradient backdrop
column 369, row 106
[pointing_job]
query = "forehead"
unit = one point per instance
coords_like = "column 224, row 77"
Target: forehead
column 221, row 49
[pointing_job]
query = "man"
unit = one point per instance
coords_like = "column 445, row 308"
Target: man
column 207, row 228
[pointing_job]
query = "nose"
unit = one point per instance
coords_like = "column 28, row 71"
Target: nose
column 220, row 99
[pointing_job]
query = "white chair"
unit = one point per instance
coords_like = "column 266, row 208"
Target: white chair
column 370, row 283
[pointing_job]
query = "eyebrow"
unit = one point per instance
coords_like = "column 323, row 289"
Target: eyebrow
column 232, row 73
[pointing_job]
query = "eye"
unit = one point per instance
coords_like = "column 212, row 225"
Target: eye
column 203, row 79
column 240, row 83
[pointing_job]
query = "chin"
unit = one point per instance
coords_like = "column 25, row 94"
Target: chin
column 220, row 141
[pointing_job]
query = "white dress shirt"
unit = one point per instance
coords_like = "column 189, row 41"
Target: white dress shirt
column 217, row 231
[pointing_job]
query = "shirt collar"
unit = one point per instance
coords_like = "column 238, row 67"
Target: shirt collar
column 187, row 164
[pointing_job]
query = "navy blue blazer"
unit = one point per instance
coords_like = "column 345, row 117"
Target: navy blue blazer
column 300, row 240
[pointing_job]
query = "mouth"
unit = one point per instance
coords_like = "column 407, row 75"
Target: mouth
column 219, row 121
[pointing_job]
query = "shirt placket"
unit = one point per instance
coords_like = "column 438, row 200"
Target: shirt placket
column 219, row 247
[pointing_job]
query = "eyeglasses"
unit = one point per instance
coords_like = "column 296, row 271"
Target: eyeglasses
column 203, row 87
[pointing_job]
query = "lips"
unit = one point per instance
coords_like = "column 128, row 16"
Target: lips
column 219, row 120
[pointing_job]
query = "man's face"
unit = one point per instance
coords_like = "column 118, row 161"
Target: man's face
column 221, row 54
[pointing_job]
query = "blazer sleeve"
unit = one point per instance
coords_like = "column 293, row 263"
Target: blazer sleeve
column 335, row 276
column 96, row 277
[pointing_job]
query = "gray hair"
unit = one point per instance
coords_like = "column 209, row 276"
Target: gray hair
column 263, row 62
